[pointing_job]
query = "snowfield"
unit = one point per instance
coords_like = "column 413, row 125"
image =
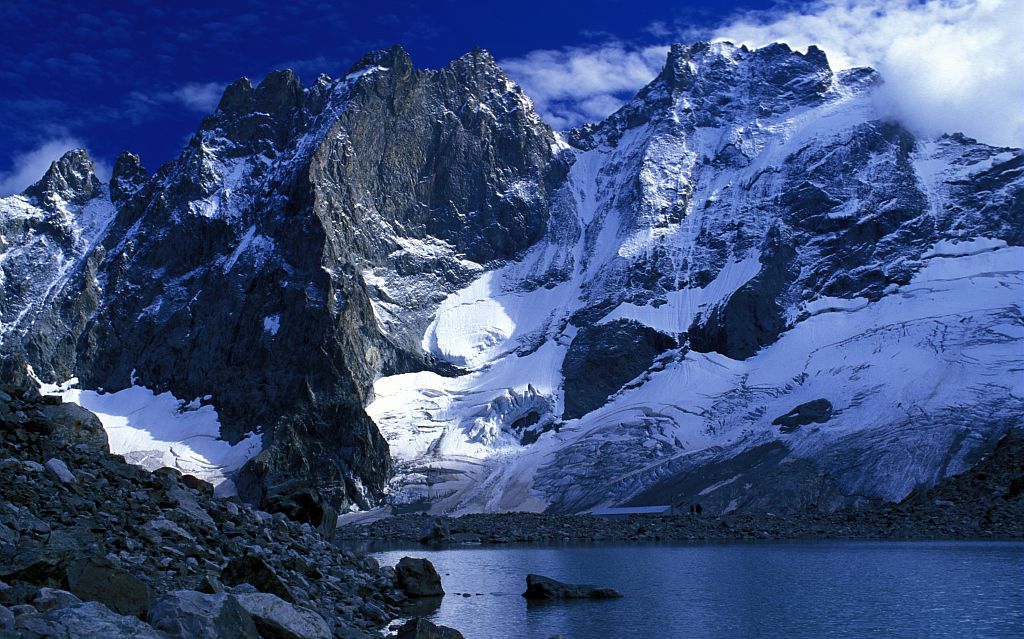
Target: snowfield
column 159, row 430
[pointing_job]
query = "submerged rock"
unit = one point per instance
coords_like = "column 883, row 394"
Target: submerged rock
column 542, row 588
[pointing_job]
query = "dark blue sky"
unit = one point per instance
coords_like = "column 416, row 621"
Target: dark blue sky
column 140, row 74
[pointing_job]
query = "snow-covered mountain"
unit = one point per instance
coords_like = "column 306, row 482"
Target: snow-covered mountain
column 747, row 288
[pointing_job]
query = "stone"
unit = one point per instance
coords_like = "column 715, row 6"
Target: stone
column 418, row 578
column 97, row 579
column 543, row 588
column 420, row 628
column 60, row 471
column 187, row 614
column 6, row 618
column 278, row 619
column 89, row 619
column 48, row 599
column 435, row 533
column 255, row 571
column 156, row 529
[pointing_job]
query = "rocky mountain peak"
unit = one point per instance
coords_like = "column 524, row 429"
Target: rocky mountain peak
column 127, row 177
column 70, row 180
column 395, row 58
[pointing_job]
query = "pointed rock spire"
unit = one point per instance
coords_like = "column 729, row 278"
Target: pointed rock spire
column 71, row 179
column 128, row 176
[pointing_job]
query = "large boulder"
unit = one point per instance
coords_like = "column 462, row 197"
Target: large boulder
column 98, row 579
column 89, row 619
column 418, row 578
column 253, row 570
column 420, row 628
column 278, row 619
column 187, row 614
column 542, row 588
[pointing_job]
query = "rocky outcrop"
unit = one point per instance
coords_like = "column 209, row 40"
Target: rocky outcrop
column 602, row 358
column 816, row 411
column 418, row 578
column 542, row 588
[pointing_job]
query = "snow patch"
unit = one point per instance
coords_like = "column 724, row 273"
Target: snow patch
column 157, row 430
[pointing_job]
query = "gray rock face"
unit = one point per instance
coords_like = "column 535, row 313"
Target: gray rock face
column 186, row 614
column 542, row 588
column 603, row 357
column 278, row 619
column 418, row 578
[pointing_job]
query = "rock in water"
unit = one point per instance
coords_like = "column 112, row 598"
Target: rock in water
column 418, row 578
column 254, row 571
column 97, row 579
column 420, row 628
column 542, row 588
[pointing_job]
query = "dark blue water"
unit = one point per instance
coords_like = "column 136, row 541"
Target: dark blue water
column 771, row 590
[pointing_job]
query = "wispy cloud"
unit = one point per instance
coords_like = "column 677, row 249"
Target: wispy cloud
column 27, row 168
column 200, row 97
column 583, row 84
column 949, row 65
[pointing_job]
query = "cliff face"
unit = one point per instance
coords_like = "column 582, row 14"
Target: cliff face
column 538, row 320
column 235, row 274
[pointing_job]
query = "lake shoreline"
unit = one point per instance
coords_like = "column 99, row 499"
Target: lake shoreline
column 984, row 503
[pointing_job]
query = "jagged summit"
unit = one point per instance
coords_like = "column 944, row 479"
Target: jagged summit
column 69, row 180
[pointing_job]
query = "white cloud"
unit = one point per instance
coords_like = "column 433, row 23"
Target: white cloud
column 27, row 168
column 575, row 85
column 201, row 97
column 949, row 65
